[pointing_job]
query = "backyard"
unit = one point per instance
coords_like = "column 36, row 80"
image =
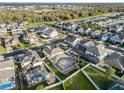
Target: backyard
column 100, row 78
column 78, row 82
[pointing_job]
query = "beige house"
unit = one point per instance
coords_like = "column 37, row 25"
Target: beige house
column 60, row 60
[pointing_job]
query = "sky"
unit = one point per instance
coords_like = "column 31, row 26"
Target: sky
column 76, row 1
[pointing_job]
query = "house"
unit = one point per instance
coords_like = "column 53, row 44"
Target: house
column 84, row 30
column 16, row 31
column 7, row 75
column 10, row 42
column 78, row 49
column 41, row 28
column 115, row 60
column 60, row 60
column 105, row 37
column 49, row 33
column 87, row 43
column 2, row 32
column 2, row 25
column 31, row 38
column 23, row 24
column 98, row 52
column 118, row 38
column 72, row 40
column 33, row 70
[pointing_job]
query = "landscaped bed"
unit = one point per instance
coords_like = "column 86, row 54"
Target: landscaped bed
column 78, row 82
column 100, row 78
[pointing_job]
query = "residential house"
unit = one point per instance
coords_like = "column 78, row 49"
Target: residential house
column 33, row 69
column 11, row 42
column 115, row 60
column 118, row 38
column 31, row 38
column 2, row 25
column 7, row 75
column 72, row 40
column 60, row 60
column 41, row 28
column 2, row 32
column 97, row 52
column 84, row 30
column 87, row 43
column 49, row 33
column 106, row 36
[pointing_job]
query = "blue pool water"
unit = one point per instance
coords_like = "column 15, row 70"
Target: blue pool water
column 6, row 86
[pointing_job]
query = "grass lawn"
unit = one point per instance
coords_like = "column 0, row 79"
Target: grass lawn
column 25, row 46
column 61, row 36
column 123, row 77
column 59, row 87
column 22, row 45
column 2, row 49
column 100, row 78
column 79, row 82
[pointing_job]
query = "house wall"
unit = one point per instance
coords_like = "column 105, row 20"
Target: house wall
column 54, row 34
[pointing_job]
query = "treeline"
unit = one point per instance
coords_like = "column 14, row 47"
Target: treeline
column 58, row 15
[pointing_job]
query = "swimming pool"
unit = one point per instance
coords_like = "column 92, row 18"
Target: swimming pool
column 6, row 86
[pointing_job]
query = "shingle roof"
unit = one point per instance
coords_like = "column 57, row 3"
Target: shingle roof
column 115, row 60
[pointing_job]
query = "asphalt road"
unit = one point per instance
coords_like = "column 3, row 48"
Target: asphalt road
column 21, row 52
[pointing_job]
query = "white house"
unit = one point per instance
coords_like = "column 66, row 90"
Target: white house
column 118, row 38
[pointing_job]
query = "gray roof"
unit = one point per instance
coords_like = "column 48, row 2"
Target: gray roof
column 115, row 60
column 121, row 35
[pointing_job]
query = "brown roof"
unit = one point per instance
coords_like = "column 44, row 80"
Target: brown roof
column 6, row 63
column 6, row 74
column 59, row 56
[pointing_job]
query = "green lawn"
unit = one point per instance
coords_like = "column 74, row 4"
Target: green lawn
column 123, row 77
column 59, row 87
column 79, row 82
column 100, row 78
column 25, row 46
column 2, row 49
column 61, row 36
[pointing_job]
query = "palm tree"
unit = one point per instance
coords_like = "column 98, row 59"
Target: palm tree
column 111, row 72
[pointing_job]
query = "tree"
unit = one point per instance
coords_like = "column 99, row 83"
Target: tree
column 111, row 72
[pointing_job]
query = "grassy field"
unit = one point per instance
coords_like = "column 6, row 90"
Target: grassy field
column 100, row 78
column 79, row 82
column 2, row 49
column 59, row 87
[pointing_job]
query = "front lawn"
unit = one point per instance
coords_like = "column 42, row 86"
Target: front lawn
column 2, row 49
column 78, row 82
column 100, row 78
